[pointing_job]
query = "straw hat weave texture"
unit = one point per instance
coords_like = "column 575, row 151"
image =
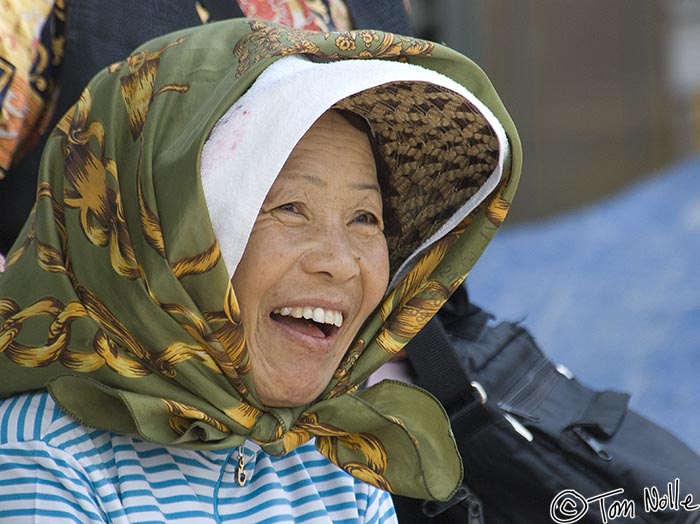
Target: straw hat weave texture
column 439, row 150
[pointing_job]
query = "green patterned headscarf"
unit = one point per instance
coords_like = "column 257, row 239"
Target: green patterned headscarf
column 117, row 298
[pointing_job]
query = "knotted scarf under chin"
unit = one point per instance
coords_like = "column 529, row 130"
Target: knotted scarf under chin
column 371, row 434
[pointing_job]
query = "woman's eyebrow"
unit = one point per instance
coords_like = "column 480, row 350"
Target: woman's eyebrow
column 365, row 187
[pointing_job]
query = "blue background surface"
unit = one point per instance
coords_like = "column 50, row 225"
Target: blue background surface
column 613, row 292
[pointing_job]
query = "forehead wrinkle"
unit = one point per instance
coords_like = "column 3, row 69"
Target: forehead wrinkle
column 315, row 180
column 318, row 181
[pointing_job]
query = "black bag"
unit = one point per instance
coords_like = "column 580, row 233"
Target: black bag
column 539, row 447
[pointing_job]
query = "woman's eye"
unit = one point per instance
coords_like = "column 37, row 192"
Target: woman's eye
column 366, row 218
column 290, row 207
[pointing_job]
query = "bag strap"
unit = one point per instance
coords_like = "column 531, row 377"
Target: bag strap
column 436, row 365
column 438, row 369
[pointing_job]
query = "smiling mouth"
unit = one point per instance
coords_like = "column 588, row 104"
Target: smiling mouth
column 312, row 322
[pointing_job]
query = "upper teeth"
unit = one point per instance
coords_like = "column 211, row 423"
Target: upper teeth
column 317, row 314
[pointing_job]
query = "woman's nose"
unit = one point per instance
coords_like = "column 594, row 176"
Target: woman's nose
column 331, row 252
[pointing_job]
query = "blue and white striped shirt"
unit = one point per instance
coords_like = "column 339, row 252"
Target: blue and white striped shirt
column 53, row 470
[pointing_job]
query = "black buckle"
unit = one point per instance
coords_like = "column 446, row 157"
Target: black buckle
column 432, row 508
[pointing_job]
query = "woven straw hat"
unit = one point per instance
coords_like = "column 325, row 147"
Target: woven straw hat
column 438, row 149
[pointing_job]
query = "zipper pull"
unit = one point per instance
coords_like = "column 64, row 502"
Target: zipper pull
column 518, row 427
column 563, row 370
column 241, row 475
column 593, row 443
column 476, row 511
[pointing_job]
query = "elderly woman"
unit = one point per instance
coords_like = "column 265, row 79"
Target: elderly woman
column 234, row 228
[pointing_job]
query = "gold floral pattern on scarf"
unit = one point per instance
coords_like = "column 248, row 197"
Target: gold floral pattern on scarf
column 329, row 441
column 138, row 85
column 231, row 331
column 342, row 374
column 415, row 300
column 56, row 347
column 90, row 180
column 112, row 356
column 181, row 417
column 226, row 342
column 152, row 230
column 61, row 317
column 269, row 40
column 164, row 361
column 197, row 264
column 153, row 233
column 498, row 206
column 106, row 351
column 45, row 253
column 244, row 414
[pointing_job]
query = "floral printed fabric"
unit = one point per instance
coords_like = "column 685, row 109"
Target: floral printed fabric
column 31, row 48
column 320, row 15
column 117, row 300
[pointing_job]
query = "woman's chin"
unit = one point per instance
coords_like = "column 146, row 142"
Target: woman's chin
column 291, row 397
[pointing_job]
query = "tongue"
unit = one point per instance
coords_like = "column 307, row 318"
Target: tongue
column 302, row 325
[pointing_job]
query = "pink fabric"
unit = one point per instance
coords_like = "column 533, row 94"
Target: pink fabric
column 330, row 15
column 392, row 370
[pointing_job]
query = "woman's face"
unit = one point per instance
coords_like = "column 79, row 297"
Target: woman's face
column 316, row 264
